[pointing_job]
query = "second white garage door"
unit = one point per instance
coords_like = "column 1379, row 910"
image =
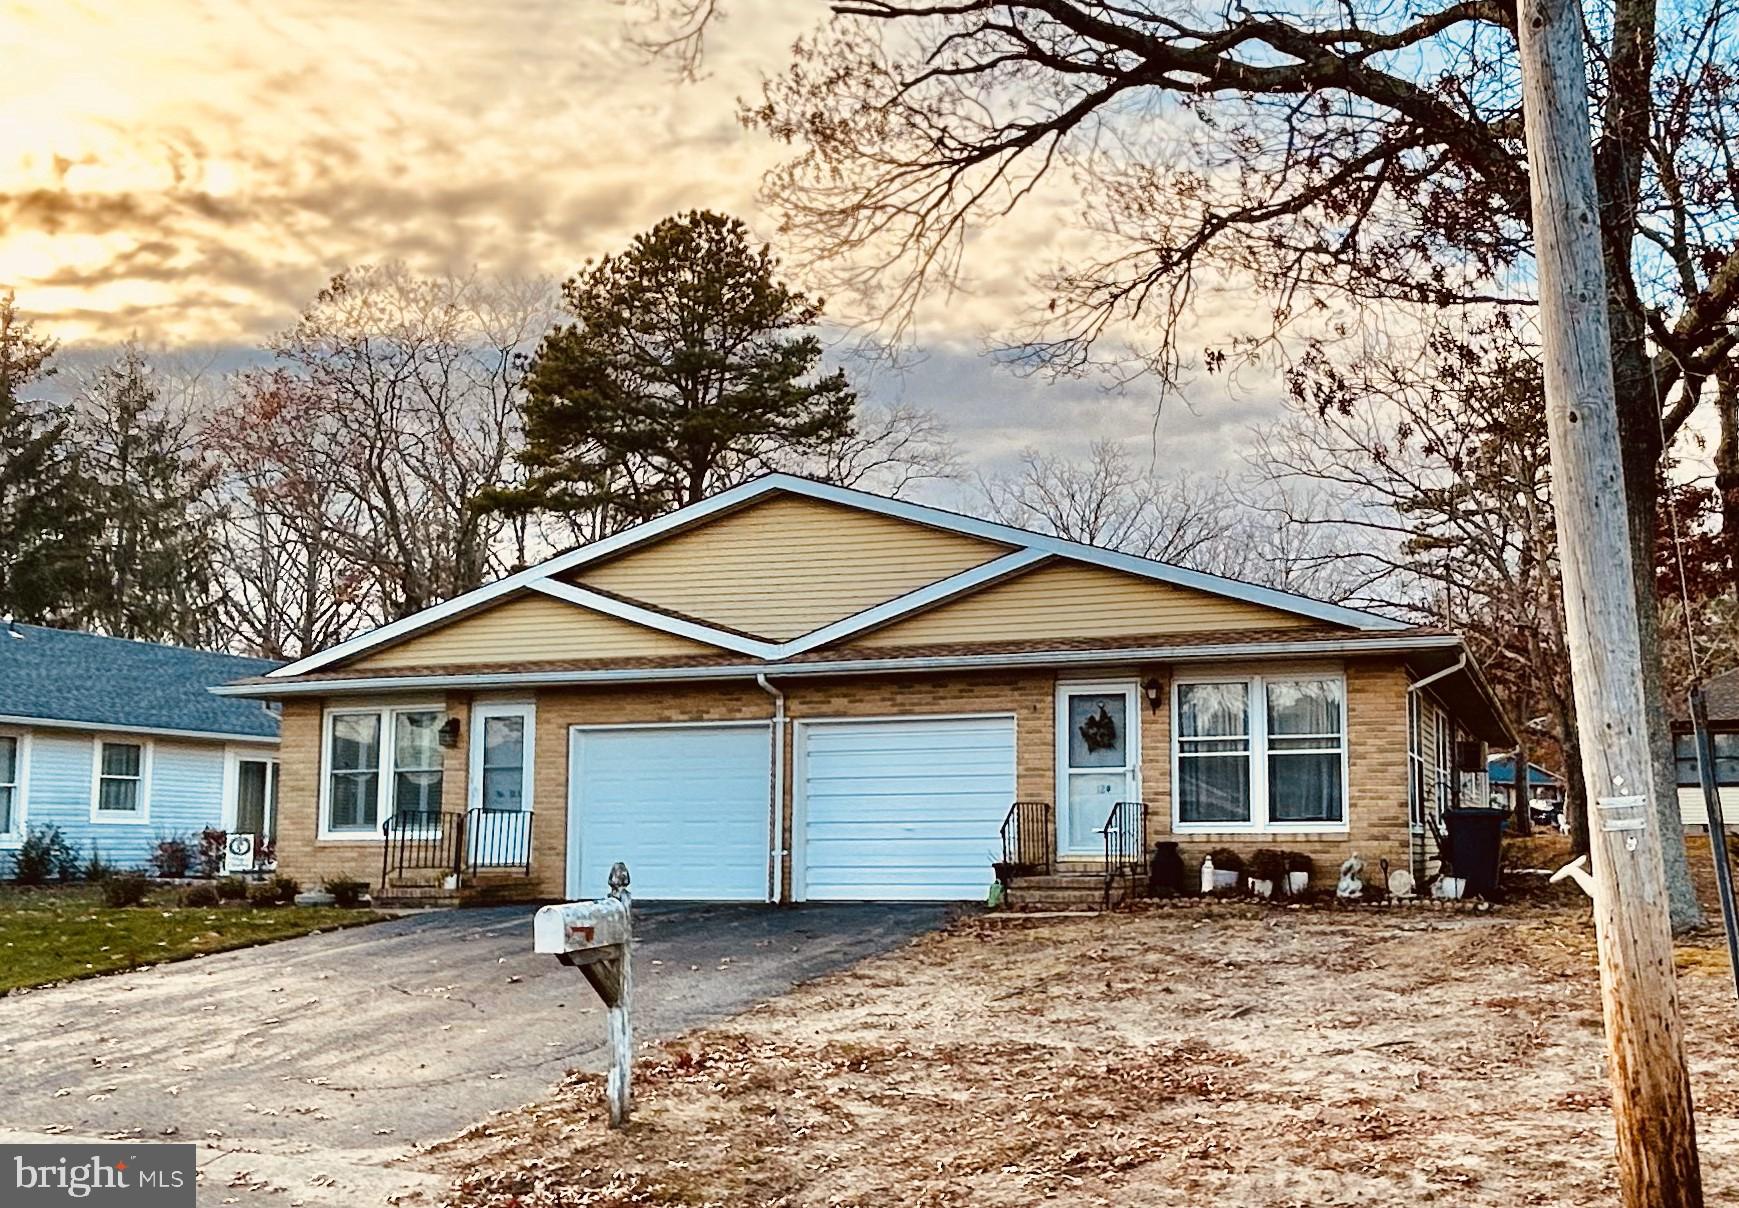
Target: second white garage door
column 687, row 808
column 902, row 810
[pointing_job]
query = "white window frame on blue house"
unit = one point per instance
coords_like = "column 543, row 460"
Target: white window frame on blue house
column 13, row 835
column 141, row 814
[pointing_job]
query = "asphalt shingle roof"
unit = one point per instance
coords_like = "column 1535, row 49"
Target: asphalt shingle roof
column 64, row 675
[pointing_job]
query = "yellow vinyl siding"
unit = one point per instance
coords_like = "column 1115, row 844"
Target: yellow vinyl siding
column 530, row 629
column 1072, row 600
column 782, row 568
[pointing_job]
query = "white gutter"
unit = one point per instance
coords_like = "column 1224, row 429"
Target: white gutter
column 778, row 822
column 103, row 727
column 734, row 671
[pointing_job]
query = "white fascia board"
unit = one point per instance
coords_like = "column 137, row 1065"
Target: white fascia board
column 964, row 662
column 653, row 619
column 103, row 727
column 530, row 576
column 899, row 509
column 989, row 530
column 935, row 593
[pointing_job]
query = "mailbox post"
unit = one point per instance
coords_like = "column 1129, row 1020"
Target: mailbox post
column 597, row 938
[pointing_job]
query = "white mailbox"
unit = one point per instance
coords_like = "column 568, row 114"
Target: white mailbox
column 597, row 938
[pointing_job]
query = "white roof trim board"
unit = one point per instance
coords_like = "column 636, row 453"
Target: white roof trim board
column 614, row 675
column 1028, row 549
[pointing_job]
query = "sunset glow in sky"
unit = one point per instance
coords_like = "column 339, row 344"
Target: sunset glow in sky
column 192, row 171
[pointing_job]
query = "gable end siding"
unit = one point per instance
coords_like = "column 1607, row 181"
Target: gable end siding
column 1070, row 600
column 530, row 628
column 785, row 567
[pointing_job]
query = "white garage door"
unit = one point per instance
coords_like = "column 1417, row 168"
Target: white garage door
column 685, row 807
column 908, row 810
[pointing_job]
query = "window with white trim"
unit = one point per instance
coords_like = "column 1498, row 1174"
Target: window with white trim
column 11, row 784
column 500, row 754
column 367, row 749
column 1415, row 761
column 1261, row 753
column 120, row 779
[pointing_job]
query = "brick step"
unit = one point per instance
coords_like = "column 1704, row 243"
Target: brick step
column 1068, row 880
column 418, row 893
column 1059, row 899
column 416, row 901
column 488, row 893
column 412, row 878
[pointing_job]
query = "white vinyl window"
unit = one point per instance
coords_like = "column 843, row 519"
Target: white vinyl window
column 11, row 786
column 380, row 762
column 501, row 756
column 120, row 781
column 1260, row 753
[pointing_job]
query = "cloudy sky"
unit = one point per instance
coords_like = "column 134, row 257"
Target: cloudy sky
column 191, row 171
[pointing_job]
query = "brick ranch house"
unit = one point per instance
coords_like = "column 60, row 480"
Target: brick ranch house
column 794, row 691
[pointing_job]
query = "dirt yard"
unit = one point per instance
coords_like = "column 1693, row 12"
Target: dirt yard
column 1191, row 1056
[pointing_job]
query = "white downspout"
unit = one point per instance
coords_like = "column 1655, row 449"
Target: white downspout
column 778, row 824
column 1459, row 664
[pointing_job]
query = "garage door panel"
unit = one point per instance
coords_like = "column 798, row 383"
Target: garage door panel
column 908, row 810
column 686, row 808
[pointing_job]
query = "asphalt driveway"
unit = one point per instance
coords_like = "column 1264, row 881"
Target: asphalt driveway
column 307, row 1066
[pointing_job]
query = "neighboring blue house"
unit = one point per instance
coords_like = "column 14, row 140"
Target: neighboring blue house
column 1544, row 785
column 120, row 744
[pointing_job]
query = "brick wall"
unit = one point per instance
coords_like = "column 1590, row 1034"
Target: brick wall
column 1377, row 772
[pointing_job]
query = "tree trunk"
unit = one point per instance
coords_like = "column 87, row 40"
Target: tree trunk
column 1639, row 422
column 1521, row 815
column 1575, row 787
column 1727, row 464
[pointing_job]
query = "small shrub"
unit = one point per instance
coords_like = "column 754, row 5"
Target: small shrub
column 98, row 869
column 199, row 895
column 285, row 889
column 1267, row 864
column 1297, row 861
column 69, row 861
column 1226, row 860
column 42, row 855
column 212, row 845
column 346, row 891
column 124, row 889
column 232, row 889
column 172, row 857
column 263, row 894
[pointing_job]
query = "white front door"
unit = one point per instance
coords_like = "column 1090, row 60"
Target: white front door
column 1098, row 760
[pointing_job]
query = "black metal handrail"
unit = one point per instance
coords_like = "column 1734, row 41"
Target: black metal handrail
column 1125, row 835
column 421, row 839
column 1029, row 838
column 498, row 839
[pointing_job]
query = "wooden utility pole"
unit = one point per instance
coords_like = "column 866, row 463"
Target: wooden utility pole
column 1651, row 1092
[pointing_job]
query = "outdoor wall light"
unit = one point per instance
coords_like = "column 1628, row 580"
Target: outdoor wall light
column 448, row 735
column 1154, row 691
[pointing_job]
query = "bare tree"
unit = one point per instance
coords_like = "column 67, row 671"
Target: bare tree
column 414, row 388
column 1109, row 500
column 1446, row 473
column 290, row 587
column 891, row 450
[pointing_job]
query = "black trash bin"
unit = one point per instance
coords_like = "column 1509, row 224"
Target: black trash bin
column 1475, row 840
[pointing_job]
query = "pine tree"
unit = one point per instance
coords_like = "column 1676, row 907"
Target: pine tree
column 47, row 518
column 154, row 562
column 689, row 366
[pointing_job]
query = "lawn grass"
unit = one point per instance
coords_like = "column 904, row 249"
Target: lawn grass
column 62, row 932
